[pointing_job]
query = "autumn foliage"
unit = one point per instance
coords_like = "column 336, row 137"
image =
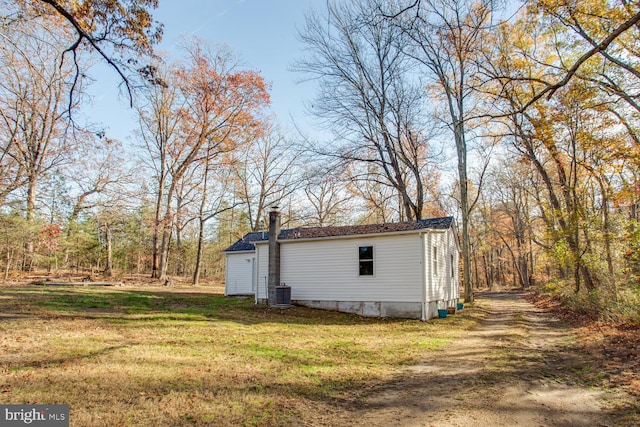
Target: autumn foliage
column 526, row 128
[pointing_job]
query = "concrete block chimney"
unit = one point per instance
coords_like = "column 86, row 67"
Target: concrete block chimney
column 274, row 256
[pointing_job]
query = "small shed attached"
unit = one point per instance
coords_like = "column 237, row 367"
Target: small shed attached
column 240, row 265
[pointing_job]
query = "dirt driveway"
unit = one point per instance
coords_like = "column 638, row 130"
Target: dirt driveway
column 520, row 366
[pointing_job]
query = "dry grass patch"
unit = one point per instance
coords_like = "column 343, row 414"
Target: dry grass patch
column 189, row 356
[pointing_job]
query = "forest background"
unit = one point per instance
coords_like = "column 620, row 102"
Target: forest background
column 537, row 111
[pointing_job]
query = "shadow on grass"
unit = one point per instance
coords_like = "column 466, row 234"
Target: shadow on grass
column 530, row 372
column 51, row 362
column 155, row 305
column 438, row 387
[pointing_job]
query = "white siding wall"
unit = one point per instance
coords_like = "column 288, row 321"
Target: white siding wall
column 238, row 274
column 328, row 269
column 453, row 260
column 443, row 284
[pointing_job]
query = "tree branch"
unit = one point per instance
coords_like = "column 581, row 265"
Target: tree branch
column 602, row 46
column 84, row 35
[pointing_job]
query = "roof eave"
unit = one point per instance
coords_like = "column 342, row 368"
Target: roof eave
column 356, row 236
column 244, row 251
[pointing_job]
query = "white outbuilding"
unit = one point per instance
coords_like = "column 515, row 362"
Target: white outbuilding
column 240, row 266
column 405, row 270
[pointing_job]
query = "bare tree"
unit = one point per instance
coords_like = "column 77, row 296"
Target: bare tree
column 34, row 86
column 446, row 36
column 215, row 184
column 266, row 174
column 369, row 95
column 328, row 199
column 159, row 120
column 98, row 179
column 513, row 215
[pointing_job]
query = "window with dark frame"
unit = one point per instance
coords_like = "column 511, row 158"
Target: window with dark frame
column 365, row 260
column 453, row 267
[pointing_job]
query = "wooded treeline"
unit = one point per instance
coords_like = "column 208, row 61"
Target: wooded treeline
column 519, row 118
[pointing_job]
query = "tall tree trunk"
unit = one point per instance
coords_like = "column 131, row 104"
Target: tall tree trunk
column 164, row 253
column 464, row 207
column 196, row 270
column 487, row 273
column 202, row 220
column 568, row 218
column 606, row 228
column 108, row 266
column 476, row 273
column 179, row 250
column 7, row 265
column 30, row 217
column 167, row 228
column 155, row 262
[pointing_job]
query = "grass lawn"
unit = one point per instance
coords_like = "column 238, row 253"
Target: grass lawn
column 151, row 356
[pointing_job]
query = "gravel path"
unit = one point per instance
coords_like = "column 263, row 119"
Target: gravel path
column 518, row 367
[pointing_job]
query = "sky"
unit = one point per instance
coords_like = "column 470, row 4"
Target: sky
column 262, row 33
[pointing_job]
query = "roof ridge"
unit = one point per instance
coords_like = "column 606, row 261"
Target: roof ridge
column 437, row 223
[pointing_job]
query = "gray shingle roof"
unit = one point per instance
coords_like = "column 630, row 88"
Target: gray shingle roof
column 246, row 242
column 354, row 230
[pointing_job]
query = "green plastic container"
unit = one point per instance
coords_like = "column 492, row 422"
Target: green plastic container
column 460, row 306
column 442, row 313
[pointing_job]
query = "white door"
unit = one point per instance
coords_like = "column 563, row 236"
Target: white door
column 254, row 274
